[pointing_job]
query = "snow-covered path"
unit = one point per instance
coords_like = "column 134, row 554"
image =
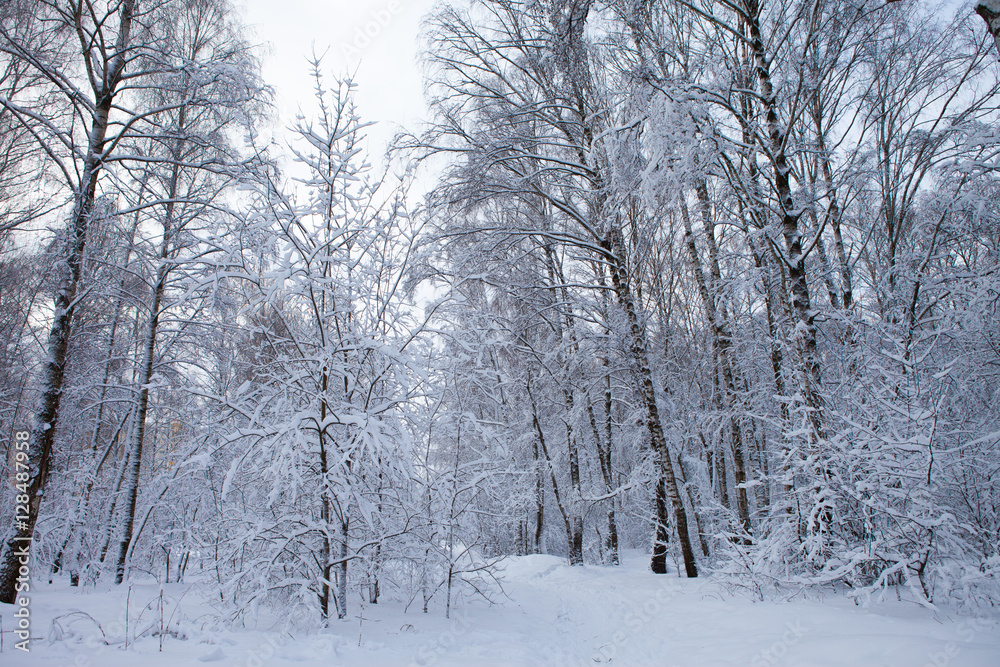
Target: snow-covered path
column 552, row 615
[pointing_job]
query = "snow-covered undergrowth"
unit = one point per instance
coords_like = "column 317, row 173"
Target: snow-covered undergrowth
column 547, row 614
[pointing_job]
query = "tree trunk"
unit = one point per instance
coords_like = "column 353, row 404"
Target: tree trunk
column 47, row 419
column 989, row 13
column 576, row 516
column 138, row 432
column 722, row 342
column 548, row 464
column 71, row 548
column 539, row 546
column 640, row 357
column 568, row 325
column 795, row 260
column 833, row 217
column 113, row 505
column 604, row 459
column 325, row 550
column 342, row 566
column 661, row 541
column 146, row 371
column 610, row 479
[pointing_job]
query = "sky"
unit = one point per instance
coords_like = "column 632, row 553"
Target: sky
column 376, row 41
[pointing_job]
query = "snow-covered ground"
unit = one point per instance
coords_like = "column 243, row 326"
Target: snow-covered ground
column 548, row 614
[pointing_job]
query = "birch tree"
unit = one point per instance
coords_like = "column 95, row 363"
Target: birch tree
column 99, row 39
column 97, row 61
column 539, row 53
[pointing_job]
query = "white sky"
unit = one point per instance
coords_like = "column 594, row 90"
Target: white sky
column 377, row 39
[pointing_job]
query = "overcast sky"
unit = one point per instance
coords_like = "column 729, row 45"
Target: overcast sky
column 376, row 39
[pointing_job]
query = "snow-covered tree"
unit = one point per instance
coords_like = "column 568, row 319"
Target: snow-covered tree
column 93, row 115
column 322, row 473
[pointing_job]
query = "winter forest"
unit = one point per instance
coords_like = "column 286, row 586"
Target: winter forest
column 714, row 283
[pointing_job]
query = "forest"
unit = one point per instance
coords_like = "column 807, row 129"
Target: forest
column 717, row 280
